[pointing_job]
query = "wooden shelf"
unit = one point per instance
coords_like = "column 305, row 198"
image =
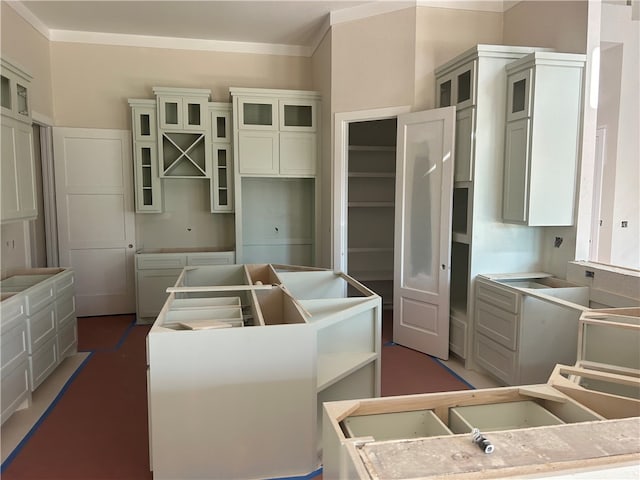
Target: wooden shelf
column 371, row 148
column 371, row 204
column 390, row 175
column 333, row 367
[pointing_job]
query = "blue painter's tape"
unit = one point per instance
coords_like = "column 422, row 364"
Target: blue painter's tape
column 452, row 372
column 43, row 417
column 309, row 476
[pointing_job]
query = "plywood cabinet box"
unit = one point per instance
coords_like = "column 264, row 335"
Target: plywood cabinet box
column 18, row 178
column 243, row 399
column 428, row 436
column 39, row 329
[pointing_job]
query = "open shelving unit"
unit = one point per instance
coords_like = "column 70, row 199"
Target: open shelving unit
column 371, row 177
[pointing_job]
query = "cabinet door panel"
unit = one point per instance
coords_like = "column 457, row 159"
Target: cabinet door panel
column 298, row 153
column 170, row 112
column 465, row 140
column 464, row 81
column 258, row 113
column 516, row 167
column 152, row 290
column 297, row 115
column 258, row 152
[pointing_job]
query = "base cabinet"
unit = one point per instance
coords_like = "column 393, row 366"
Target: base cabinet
column 155, row 272
column 519, row 335
column 241, row 359
column 39, row 329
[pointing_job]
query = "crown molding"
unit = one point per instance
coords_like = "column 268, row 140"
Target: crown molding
column 175, row 43
column 497, row 6
column 368, row 10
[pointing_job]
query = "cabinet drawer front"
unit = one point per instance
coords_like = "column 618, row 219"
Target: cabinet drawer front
column 15, row 389
column 222, row 258
column 14, row 347
column 497, row 359
column 497, row 324
column 64, row 284
column 13, row 311
column 65, row 310
column 67, row 340
column 161, row 260
column 42, row 363
column 39, row 296
column 500, row 297
column 40, row 328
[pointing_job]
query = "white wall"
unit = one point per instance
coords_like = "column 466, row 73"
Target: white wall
column 619, row 112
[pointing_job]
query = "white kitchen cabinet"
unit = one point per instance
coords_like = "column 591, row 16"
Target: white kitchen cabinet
column 15, row 87
column 38, row 308
column 277, row 131
column 19, row 200
column 148, row 188
column 222, row 157
column 475, row 82
column 276, row 150
column 521, row 332
column 543, row 118
column 184, row 149
column 254, row 392
column 182, row 108
column 156, row 271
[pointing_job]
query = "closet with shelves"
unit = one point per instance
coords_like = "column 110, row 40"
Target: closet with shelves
column 275, row 151
column 371, row 179
column 476, row 82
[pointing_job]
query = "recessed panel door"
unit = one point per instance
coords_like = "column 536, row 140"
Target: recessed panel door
column 424, row 190
column 96, row 229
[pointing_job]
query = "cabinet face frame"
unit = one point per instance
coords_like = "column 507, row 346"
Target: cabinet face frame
column 298, row 154
column 258, row 153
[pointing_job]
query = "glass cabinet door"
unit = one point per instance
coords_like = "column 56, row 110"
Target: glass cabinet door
column 144, row 124
column 465, row 86
column 170, row 111
column 297, row 115
column 194, row 113
column 519, row 95
column 220, row 125
column 260, row 114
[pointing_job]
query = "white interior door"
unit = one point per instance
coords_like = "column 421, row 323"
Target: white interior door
column 96, row 225
column 422, row 246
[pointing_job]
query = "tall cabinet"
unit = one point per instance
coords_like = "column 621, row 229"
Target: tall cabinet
column 19, row 201
column 475, row 82
column 276, row 151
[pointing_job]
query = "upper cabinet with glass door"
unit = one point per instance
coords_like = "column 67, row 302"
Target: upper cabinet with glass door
column 183, row 124
column 14, row 91
column 276, row 131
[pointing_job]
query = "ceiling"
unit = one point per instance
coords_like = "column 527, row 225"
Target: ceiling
column 293, row 22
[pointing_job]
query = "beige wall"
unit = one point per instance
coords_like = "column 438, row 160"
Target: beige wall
column 91, row 83
column 443, row 33
column 24, row 45
column 372, row 62
column 556, row 24
column 321, row 74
